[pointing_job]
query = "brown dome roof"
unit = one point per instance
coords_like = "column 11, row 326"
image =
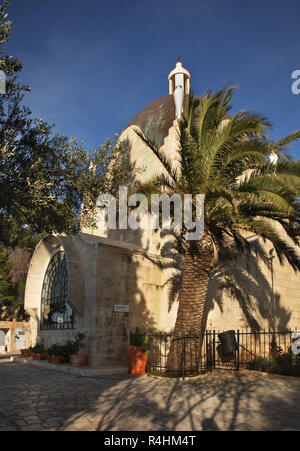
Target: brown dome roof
column 156, row 119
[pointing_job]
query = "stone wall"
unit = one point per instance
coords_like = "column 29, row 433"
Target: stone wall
column 243, row 294
column 113, row 273
column 12, row 326
column 127, row 277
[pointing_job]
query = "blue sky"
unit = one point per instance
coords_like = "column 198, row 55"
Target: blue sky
column 92, row 64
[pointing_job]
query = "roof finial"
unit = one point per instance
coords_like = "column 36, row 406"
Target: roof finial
column 179, row 85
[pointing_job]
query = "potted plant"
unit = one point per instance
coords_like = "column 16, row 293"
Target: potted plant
column 137, row 353
column 57, row 354
column 26, row 352
column 77, row 359
column 39, row 352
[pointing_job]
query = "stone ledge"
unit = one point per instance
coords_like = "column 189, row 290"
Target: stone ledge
column 67, row 368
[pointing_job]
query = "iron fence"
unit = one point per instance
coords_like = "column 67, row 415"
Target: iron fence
column 190, row 354
column 178, row 355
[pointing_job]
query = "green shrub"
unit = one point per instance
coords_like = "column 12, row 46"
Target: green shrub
column 39, row 348
column 78, row 343
column 139, row 339
column 60, row 350
column 287, row 364
column 69, row 348
column 259, row 364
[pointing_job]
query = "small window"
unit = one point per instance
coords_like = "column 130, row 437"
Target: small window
column 56, row 313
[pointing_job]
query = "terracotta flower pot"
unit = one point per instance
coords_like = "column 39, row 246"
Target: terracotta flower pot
column 78, row 360
column 57, row 359
column 41, row 356
column 25, row 353
column 137, row 360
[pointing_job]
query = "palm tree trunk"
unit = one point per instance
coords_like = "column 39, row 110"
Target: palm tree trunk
column 191, row 315
column 199, row 261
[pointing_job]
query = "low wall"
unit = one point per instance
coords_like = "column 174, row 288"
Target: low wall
column 11, row 326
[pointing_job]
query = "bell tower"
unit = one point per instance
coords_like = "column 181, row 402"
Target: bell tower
column 179, row 86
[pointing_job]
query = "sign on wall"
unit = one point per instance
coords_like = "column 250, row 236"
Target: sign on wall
column 121, row 308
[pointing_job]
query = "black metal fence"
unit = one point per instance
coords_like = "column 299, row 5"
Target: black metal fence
column 178, row 355
column 189, row 354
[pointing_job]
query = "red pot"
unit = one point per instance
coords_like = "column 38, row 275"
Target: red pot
column 25, row 353
column 41, row 356
column 78, row 360
column 137, row 360
column 57, row 359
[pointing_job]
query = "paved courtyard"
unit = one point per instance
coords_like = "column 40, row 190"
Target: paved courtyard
column 36, row 399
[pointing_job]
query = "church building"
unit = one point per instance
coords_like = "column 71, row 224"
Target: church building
column 105, row 283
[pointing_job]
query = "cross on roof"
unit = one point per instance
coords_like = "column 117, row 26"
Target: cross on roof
column 178, row 58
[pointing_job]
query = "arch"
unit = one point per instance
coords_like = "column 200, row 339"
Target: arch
column 41, row 258
column 56, row 312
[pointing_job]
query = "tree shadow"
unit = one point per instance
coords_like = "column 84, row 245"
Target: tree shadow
column 245, row 279
column 242, row 278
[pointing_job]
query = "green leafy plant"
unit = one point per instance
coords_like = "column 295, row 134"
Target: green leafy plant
column 227, row 159
column 139, row 339
column 70, row 347
column 78, row 343
column 39, row 348
column 55, row 349
column 287, row 364
column 259, row 364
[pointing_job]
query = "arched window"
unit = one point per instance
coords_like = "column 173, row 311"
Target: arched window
column 56, row 313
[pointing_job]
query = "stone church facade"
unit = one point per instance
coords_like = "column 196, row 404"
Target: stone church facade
column 105, row 283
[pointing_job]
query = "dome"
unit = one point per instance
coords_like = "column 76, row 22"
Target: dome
column 156, row 119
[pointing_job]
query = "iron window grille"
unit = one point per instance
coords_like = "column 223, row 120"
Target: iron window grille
column 56, row 313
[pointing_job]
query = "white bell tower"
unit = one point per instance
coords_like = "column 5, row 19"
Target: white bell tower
column 179, row 86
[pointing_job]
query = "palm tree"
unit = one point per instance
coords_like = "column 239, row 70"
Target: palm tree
column 228, row 160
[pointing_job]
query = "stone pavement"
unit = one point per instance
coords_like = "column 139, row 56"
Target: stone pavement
column 35, row 399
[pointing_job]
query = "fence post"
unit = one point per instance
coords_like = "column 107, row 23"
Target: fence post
column 206, row 351
column 238, row 351
column 214, row 349
column 148, row 370
column 183, row 356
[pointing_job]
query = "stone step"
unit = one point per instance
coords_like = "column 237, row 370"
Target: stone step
column 67, row 368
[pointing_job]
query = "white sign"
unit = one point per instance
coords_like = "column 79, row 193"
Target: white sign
column 296, row 342
column 121, row 308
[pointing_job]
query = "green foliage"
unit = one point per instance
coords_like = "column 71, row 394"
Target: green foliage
column 45, row 178
column 11, row 291
column 227, row 159
column 70, row 347
column 287, row 364
column 78, row 343
column 8, row 291
column 39, row 348
column 60, row 350
column 259, row 364
column 139, row 339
